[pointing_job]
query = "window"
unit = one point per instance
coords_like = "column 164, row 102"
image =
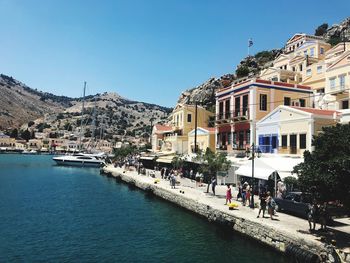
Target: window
column 319, row 69
column 263, row 102
column 312, row 52
column 342, row 81
column 189, row 118
column 287, row 101
column 284, row 141
column 308, row 72
column 332, row 83
column 229, row 138
column 320, row 91
column 345, row 104
column 227, row 109
column 221, row 109
column 305, row 53
column 248, row 137
column 302, row 102
column 234, row 138
column 293, row 68
column 302, row 141
column 237, row 106
column 300, row 67
column 245, row 105
column 322, row 51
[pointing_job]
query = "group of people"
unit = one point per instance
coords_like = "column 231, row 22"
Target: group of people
column 317, row 213
column 169, row 174
column 266, row 200
column 244, row 192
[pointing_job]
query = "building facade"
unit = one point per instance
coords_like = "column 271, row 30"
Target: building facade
column 240, row 106
column 289, row 130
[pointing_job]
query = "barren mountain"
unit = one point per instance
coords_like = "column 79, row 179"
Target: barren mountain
column 109, row 112
column 21, row 104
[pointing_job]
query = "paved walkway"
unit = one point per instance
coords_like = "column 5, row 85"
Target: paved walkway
column 289, row 224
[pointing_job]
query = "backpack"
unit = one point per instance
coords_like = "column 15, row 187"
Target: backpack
column 273, row 203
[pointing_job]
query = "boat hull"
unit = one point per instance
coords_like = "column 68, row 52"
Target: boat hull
column 78, row 163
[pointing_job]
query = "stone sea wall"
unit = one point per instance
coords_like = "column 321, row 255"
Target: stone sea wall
column 298, row 248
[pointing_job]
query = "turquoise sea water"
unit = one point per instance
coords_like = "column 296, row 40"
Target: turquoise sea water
column 59, row 214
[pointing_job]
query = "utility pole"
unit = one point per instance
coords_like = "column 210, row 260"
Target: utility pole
column 195, row 128
column 82, row 118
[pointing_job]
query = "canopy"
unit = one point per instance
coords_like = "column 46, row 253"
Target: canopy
column 165, row 159
column 261, row 169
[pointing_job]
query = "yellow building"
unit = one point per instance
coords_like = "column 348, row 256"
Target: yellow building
column 182, row 121
column 296, row 64
column 205, row 139
column 337, row 78
column 183, row 118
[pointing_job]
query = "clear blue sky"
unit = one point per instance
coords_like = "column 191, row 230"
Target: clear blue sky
column 148, row 50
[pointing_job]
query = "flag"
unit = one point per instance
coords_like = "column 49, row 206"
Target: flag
column 250, row 42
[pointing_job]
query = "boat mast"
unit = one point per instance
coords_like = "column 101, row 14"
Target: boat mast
column 82, row 118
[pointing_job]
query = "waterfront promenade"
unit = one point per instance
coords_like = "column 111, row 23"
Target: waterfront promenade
column 279, row 233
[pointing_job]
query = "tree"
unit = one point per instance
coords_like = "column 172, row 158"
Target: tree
column 177, row 162
column 25, row 135
column 326, row 171
column 124, row 151
column 242, row 71
column 30, row 124
column 211, row 163
column 14, row 133
column 291, row 183
column 321, row 30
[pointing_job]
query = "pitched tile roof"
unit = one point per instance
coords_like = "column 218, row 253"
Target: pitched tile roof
column 163, row 128
column 317, row 111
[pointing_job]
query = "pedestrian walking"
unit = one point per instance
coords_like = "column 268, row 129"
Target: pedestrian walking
column 172, row 180
column 247, row 194
column 239, row 194
column 198, row 177
column 323, row 216
column 213, row 184
column 244, row 192
column 166, row 173
column 162, row 173
column 312, row 215
column 262, row 198
column 270, row 204
column 228, row 194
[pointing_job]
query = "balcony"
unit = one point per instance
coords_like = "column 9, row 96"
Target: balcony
column 339, row 89
column 237, row 115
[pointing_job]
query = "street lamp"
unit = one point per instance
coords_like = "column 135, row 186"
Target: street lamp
column 251, row 151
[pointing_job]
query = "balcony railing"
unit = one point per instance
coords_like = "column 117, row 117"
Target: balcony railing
column 338, row 89
column 237, row 115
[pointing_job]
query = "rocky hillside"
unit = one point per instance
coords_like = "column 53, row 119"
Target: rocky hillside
column 204, row 94
column 21, row 104
column 111, row 113
column 335, row 33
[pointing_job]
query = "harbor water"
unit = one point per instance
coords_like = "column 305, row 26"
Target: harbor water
column 50, row 213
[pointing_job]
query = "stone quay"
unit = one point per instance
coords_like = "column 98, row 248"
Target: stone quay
column 287, row 234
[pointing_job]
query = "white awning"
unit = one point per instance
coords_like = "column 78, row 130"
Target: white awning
column 165, row 159
column 261, row 170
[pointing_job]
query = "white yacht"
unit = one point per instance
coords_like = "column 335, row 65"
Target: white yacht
column 80, row 160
